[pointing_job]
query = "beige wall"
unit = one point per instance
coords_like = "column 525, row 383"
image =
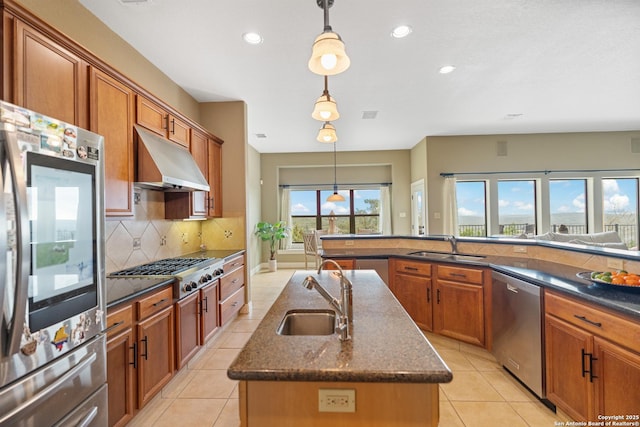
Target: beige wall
column 527, row 152
column 400, row 173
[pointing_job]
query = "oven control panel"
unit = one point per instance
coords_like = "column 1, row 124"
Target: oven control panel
column 193, row 281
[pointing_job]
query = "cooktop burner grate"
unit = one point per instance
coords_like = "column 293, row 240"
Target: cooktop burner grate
column 164, row 267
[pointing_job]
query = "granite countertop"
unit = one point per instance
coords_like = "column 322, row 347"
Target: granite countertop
column 386, row 345
column 547, row 274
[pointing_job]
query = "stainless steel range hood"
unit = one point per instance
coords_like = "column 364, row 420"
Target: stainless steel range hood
column 164, row 165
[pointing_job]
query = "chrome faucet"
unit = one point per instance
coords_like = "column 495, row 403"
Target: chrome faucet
column 344, row 307
column 454, row 243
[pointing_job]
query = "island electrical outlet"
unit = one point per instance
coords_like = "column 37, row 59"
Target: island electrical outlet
column 336, row 400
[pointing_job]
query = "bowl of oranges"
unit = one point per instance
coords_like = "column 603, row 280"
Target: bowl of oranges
column 620, row 279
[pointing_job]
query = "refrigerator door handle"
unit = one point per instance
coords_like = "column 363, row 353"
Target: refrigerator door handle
column 3, row 235
column 51, row 388
column 23, row 254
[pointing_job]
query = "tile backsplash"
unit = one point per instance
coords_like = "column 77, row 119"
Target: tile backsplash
column 147, row 236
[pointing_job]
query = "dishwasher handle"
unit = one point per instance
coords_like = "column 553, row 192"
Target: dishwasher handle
column 512, row 288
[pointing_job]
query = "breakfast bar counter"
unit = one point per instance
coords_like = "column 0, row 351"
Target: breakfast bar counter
column 390, row 365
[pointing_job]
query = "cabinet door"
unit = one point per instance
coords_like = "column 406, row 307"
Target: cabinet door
column 111, row 115
column 121, row 360
column 156, row 354
column 414, row 293
column 200, row 152
column 209, row 309
column 214, row 204
column 459, row 311
column 178, row 131
column 188, row 328
column 567, row 367
column 617, row 380
column 151, row 116
column 49, row 79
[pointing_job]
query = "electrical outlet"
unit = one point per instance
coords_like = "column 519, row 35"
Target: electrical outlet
column 348, row 242
column 520, row 249
column 163, row 240
column 136, row 243
column 336, row 400
column 185, row 237
column 615, row 263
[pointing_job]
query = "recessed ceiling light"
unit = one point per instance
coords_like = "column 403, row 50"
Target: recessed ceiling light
column 401, row 31
column 369, row 115
column 447, row 69
column 252, row 38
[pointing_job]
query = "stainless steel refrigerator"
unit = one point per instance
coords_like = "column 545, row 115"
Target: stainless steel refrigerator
column 52, row 274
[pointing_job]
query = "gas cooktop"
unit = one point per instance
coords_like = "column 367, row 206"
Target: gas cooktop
column 163, row 267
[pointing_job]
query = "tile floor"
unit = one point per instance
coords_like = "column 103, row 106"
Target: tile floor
column 200, row 395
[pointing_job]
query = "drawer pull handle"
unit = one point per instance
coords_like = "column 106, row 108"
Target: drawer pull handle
column 591, row 322
column 115, row 325
column 235, row 281
column 235, row 304
column 458, row 275
column 411, row 268
column 428, row 295
column 437, row 296
column 512, row 288
column 162, row 301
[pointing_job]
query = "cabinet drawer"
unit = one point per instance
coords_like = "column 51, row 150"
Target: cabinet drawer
column 599, row 322
column 459, row 274
column 154, row 303
column 233, row 263
column 119, row 320
column 413, row 267
column 231, row 283
column 231, row 305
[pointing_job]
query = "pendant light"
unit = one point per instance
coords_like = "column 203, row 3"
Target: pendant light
column 325, row 109
column 335, row 197
column 327, row 133
column 328, row 56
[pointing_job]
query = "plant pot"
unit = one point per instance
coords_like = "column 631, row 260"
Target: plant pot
column 273, row 265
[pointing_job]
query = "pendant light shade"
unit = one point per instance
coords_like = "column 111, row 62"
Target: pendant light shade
column 325, row 109
column 335, row 197
column 327, row 133
column 328, row 56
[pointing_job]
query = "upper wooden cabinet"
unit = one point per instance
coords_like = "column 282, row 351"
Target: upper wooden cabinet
column 155, row 118
column 111, row 115
column 48, row 78
column 214, row 201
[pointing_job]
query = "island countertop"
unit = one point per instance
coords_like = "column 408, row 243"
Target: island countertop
column 386, row 345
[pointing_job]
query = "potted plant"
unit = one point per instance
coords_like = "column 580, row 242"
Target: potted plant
column 272, row 233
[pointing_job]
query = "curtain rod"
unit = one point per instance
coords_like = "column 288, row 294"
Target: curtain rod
column 546, row 172
column 339, row 184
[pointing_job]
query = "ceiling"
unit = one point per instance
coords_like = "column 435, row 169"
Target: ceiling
column 522, row 66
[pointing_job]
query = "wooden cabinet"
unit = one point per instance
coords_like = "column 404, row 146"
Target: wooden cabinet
column 458, row 310
column 196, row 321
column 121, row 363
column 592, row 359
column 214, row 174
column 410, row 282
column 48, row 77
column 344, row 263
column 231, row 293
column 111, row 115
column 155, row 118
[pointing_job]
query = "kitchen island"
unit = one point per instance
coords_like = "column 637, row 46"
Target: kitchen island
column 391, row 367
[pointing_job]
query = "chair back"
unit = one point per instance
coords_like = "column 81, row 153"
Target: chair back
column 310, row 245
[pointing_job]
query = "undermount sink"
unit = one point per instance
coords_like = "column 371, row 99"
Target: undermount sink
column 308, row 322
column 448, row 255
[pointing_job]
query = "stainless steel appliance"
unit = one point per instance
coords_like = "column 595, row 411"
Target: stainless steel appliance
column 190, row 273
column 517, row 330
column 52, row 349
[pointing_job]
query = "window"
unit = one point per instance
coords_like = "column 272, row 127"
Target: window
column 472, row 217
column 358, row 214
column 567, row 205
column 620, row 208
column 517, row 207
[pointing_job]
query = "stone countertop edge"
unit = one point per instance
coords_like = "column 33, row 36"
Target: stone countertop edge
column 386, row 344
column 546, row 274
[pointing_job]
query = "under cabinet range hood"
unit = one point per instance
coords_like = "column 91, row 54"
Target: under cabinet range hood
column 164, row 165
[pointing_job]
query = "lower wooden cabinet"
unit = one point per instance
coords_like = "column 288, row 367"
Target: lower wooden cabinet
column 592, row 359
column 208, row 312
column 410, row 282
column 231, row 293
column 344, row 263
column 121, row 363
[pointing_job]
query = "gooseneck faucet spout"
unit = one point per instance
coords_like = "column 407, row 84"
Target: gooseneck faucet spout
column 343, row 307
column 454, row 243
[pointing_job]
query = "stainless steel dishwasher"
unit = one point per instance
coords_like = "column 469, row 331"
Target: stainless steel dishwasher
column 380, row 265
column 517, row 330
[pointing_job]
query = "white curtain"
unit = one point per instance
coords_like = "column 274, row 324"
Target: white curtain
column 384, row 224
column 285, row 215
column 450, row 207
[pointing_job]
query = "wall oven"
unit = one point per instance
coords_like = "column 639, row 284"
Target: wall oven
column 52, row 349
